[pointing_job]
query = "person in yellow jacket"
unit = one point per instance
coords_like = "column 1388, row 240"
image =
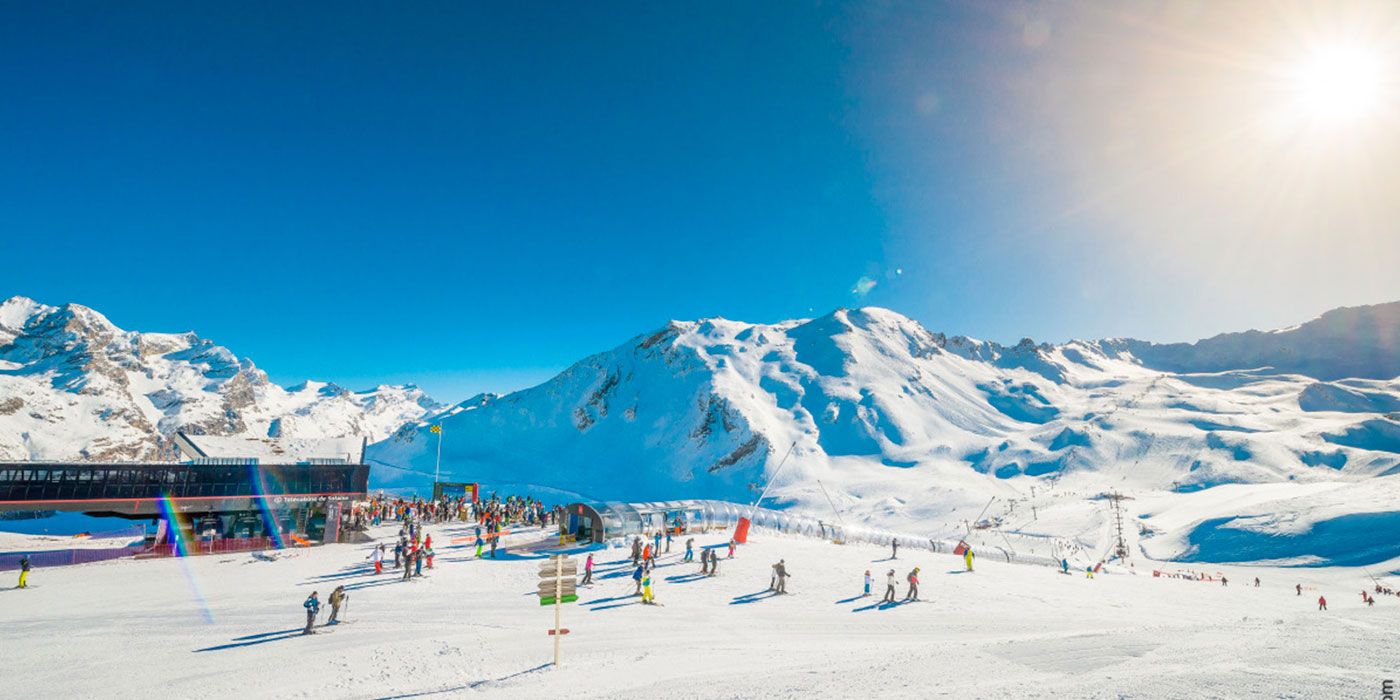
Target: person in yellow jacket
column 647, row 597
column 967, row 558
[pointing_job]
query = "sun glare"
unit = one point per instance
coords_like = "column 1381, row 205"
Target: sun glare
column 1339, row 84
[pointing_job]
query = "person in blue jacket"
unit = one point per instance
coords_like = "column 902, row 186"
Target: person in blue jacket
column 1064, row 565
column 637, row 577
column 313, row 606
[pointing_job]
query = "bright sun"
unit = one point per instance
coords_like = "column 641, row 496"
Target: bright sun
column 1339, row 84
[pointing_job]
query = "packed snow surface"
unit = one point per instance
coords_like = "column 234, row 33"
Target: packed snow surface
column 228, row 626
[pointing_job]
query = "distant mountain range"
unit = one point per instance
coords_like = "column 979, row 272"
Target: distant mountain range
column 1271, row 443
column 74, row 386
column 907, row 427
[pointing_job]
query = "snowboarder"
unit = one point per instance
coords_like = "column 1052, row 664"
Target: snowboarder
column 913, row 585
column 690, row 549
column 867, row 584
column 24, row 567
column 637, row 578
column 889, row 587
column 376, row 555
column 967, row 558
column 894, row 548
column 780, row 569
column 588, row 570
column 336, row 599
column 1321, row 603
column 313, row 606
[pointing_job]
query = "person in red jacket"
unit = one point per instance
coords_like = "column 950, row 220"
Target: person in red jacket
column 913, row 585
column 1321, row 603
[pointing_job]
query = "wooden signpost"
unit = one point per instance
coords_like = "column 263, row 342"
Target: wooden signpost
column 558, row 586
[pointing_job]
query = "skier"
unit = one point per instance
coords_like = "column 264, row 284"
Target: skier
column 313, row 606
column 428, row 551
column 913, row 585
column 1064, row 566
column 407, row 566
column 781, row 570
column 336, row 599
column 668, row 541
column 867, row 584
column 637, row 578
column 889, row 587
column 894, row 548
column 1299, row 588
column 588, row 570
column 656, row 543
column 1321, row 603
column 967, row 558
column 1088, row 572
column 494, row 542
column 647, row 597
column 24, row 567
column 705, row 561
column 1256, row 581
column 690, row 549
column 636, row 550
column 714, row 562
column 398, row 552
column 1224, row 581
column 647, row 554
column 731, row 549
column 376, row 555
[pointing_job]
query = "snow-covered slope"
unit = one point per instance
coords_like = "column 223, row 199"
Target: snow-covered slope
column 914, row 429
column 72, row 385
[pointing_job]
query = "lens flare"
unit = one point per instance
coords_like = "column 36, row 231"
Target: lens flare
column 181, row 535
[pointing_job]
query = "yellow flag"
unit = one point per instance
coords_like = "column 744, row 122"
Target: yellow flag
column 435, row 429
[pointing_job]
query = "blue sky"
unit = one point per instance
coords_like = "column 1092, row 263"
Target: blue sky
column 471, row 197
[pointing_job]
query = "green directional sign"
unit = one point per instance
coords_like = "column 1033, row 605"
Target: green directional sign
column 566, row 599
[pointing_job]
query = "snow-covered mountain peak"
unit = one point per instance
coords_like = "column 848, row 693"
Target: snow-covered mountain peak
column 74, row 385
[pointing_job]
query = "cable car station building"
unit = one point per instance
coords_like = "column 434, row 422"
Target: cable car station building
column 227, row 489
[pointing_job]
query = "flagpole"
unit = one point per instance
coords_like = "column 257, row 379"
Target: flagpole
column 437, row 468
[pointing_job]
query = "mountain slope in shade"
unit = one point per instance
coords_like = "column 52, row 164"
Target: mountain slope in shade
column 1355, row 342
column 74, row 386
column 912, row 429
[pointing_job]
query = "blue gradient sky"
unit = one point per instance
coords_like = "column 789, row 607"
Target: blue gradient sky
column 471, row 197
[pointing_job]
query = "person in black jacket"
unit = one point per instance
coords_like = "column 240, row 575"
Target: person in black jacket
column 24, row 567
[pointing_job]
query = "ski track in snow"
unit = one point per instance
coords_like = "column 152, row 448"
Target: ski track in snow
column 475, row 629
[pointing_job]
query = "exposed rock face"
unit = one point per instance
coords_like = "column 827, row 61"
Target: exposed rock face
column 75, row 386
